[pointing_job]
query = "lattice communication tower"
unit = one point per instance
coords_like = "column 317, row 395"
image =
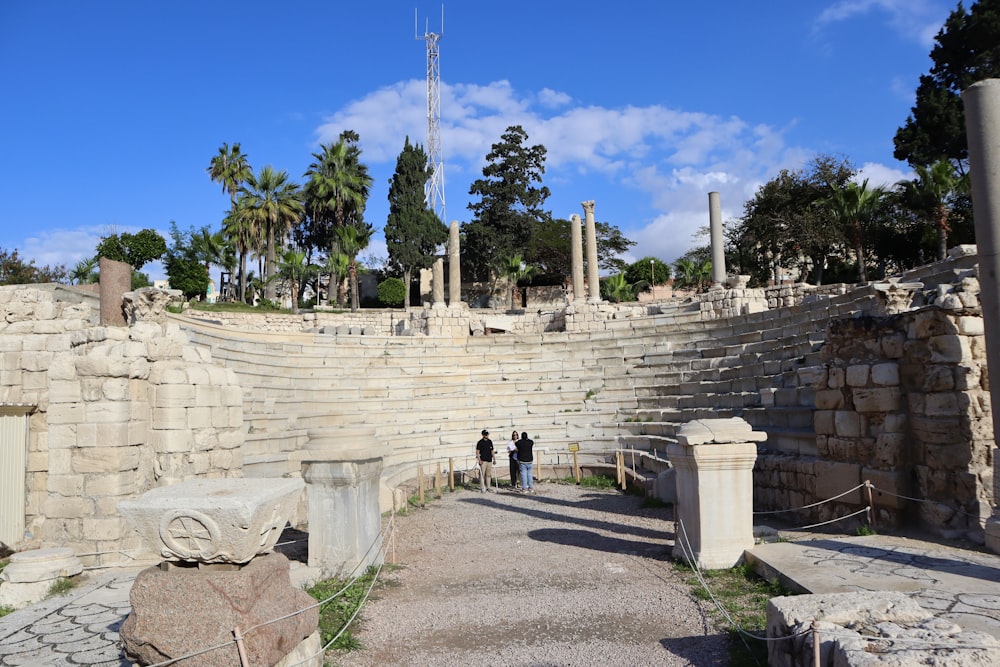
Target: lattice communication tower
column 434, row 190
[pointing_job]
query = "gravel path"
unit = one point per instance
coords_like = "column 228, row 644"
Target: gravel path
column 567, row 576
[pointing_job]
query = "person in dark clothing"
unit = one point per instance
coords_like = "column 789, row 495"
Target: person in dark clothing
column 525, row 459
column 512, row 456
column 485, row 455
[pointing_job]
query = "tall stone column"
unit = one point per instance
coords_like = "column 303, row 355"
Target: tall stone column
column 718, row 242
column 116, row 279
column 437, row 284
column 593, row 277
column 576, row 244
column 982, row 126
column 454, row 266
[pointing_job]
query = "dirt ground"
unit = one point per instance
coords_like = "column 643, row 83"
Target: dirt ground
column 566, row 576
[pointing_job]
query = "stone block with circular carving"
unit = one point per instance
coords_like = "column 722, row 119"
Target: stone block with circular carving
column 214, row 520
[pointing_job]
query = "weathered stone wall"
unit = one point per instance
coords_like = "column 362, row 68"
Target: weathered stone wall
column 117, row 410
column 901, row 401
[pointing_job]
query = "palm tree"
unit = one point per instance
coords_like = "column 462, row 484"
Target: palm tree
column 617, row 288
column 515, row 271
column 351, row 241
column 854, row 206
column 293, row 269
column 930, row 192
column 85, row 271
column 336, row 189
column 274, row 204
column 244, row 236
column 214, row 248
column 230, row 168
column 690, row 273
column 337, row 267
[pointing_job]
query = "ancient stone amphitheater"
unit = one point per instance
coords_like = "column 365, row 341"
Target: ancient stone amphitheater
column 884, row 382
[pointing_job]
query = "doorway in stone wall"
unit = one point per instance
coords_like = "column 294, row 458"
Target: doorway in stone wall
column 13, row 470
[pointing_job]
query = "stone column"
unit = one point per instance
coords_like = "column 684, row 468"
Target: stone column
column 454, row 266
column 714, row 460
column 345, row 524
column 437, row 284
column 718, row 242
column 576, row 244
column 982, row 126
column 593, row 278
column 116, row 279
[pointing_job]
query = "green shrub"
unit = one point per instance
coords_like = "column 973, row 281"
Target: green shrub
column 392, row 292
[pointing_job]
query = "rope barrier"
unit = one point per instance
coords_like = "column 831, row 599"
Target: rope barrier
column 863, row 510
column 693, row 564
column 381, row 539
column 350, row 620
column 924, row 500
column 816, row 504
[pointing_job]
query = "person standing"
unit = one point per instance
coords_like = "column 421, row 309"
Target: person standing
column 525, row 459
column 512, row 456
column 485, row 455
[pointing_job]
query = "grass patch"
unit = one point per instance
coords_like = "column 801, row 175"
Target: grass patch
column 61, row 586
column 335, row 614
column 744, row 595
column 599, row 482
column 5, row 610
column 864, row 530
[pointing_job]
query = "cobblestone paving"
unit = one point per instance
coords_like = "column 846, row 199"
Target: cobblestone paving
column 78, row 628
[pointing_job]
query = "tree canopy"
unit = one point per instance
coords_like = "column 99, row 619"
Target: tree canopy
column 551, row 250
column 412, row 231
column 135, row 250
column 788, row 221
column 966, row 50
column 511, row 204
column 16, row 271
column 183, row 265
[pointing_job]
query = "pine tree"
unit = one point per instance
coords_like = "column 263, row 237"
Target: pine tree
column 412, row 231
column 967, row 50
column 510, row 206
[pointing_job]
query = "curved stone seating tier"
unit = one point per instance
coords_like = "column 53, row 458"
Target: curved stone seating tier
column 630, row 384
column 423, row 397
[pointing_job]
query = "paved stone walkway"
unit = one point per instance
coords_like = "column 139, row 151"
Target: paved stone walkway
column 81, row 627
column 960, row 585
column 78, row 628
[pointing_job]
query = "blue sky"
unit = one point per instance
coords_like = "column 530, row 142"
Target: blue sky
column 113, row 109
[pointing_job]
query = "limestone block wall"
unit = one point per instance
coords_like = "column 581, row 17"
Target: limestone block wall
column 903, row 402
column 432, row 321
column 730, row 302
column 116, row 410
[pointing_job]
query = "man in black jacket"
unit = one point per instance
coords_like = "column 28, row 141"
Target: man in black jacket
column 485, row 455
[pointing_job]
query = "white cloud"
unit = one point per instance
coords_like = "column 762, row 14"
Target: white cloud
column 656, row 159
column 879, row 174
column 552, row 99
column 916, row 20
column 64, row 246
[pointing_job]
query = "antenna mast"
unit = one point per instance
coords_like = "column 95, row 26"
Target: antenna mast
column 434, row 189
